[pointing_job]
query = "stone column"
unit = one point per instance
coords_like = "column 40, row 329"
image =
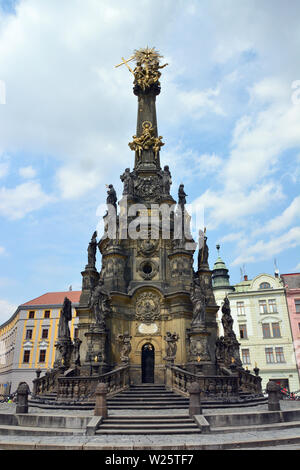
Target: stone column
column 273, row 396
column 22, row 398
column 101, row 405
column 195, row 402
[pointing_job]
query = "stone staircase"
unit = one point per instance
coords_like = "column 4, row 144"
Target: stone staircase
column 147, row 397
column 149, row 424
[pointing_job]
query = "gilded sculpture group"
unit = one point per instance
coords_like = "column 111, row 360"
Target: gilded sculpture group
column 146, row 141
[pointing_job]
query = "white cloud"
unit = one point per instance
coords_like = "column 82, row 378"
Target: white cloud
column 27, row 172
column 282, row 221
column 6, row 310
column 2, row 250
column 233, row 207
column 17, row 202
column 263, row 250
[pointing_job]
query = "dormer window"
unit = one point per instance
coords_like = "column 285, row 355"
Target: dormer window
column 264, row 285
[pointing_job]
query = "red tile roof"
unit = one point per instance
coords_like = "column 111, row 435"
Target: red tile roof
column 55, row 298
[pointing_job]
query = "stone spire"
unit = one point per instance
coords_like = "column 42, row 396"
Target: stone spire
column 146, row 142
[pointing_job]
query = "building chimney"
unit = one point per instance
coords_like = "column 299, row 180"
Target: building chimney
column 245, row 277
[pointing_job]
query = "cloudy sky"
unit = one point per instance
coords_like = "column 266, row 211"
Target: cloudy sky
column 229, row 113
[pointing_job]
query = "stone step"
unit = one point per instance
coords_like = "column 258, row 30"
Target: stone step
column 148, row 427
column 255, row 427
column 174, row 399
column 151, row 418
column 149, row 431
column 8, row 430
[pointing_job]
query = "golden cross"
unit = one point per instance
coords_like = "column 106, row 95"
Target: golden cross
column 124, row 62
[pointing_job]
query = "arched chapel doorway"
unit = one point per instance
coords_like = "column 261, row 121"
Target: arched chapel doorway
column 148, row 358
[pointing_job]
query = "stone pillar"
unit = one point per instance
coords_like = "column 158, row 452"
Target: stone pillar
column 101, row 405
column 273, row 396
column 22, row 398
column 195, row 401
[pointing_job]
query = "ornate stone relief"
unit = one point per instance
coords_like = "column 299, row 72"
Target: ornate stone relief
column 147, row 307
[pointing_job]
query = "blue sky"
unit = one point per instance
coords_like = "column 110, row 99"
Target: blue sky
column 229, row 114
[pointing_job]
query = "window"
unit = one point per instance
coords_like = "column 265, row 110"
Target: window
column 276, row 330
column 263, row 306
column 264, row 285
column 299, row 326
column 28, row 334
column 279, row 355
column 42, row 357
column 269, row 356
column 266, row 330
column 240, row 306
column 47, row 314
column 31, row 314
column 297, row 305
column 243, row 332
column 26, row 356
column 45, row 333
column 272, row 305
column 246, row 356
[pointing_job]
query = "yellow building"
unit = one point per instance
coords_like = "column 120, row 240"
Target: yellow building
column 27, row 339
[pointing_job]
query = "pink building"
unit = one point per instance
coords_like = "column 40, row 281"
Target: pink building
column 292, row 285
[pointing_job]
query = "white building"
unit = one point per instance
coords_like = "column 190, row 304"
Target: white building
column 261, row 323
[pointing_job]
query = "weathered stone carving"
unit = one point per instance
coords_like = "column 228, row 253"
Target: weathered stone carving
column 111, row 196
column 100, row 304
column 147, row 307
column 199, row 349
column 181, row 197
column 171, row 349
column 125, row 345
column 147, row 247
column 166, row 180
column 203, row 250
column 148, row 269
column 127, row 180
column 231, row 345
column 92, row 249
column 199, row 302
column 148, row 187
column 65, row 317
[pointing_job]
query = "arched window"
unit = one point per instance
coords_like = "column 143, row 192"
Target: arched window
column 264, row 285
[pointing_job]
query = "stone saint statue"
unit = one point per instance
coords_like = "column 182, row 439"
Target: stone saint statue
column 203, row 249
column 227, row 320
column 100, row 304
column 181, row 196
column 128, row 182
column 65, row 317
column 166, row 180
column 92, row 248
column 199, row 302
column 111, row 196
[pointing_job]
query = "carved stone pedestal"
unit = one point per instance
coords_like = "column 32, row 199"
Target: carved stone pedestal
column 96, row 355
column 199, row 358
column 90, row 278
column 63, row 356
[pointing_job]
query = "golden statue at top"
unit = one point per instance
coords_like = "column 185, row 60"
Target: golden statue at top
column 146, row 72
